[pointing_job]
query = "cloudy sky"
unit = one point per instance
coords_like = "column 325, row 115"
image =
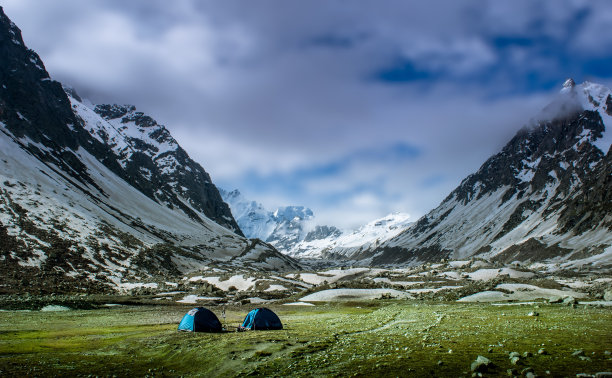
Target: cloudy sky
column 352, row 108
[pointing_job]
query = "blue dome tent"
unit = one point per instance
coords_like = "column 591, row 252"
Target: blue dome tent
column 261, row 319
column 200, row 319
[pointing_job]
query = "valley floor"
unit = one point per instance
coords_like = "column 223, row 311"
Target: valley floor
column 366, row 338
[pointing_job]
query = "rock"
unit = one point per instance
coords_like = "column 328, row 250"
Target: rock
column 530, row 374
column 527, row 354
column 578, row 353
column 512, row 372
column 440, row 363
column 603, row 374
column 514, row 354
column 533, row 313
column 584, row 358
column 490, row 350
column 608, row 353
column 527, row 370
column 569, row 301
column 481, row 364
column 542, row 351
column 607, row 295
column 555, row 299
column 515, row 360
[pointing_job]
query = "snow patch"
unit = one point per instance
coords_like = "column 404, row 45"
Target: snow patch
column 332, row 295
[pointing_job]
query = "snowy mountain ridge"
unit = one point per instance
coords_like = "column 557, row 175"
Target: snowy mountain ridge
column 544, row 197
column 154, row 161
column 292, row 230
column 350, row 243
column 77, row 210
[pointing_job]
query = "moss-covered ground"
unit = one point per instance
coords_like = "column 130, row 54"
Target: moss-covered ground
column 377, row 338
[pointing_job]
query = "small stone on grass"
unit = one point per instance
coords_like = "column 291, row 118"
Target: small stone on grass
column 481, row 364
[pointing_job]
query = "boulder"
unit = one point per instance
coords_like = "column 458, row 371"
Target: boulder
column 568, row 301
column 481, row 364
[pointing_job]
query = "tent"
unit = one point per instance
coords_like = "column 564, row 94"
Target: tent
column 262, row 318
column 200, row 319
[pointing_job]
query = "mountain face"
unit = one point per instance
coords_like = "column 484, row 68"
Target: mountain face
column 155, row 163
column 290, row 229
column 91, row 197
column 544, row 197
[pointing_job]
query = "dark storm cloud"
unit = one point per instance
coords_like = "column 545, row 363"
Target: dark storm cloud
column 279, row 90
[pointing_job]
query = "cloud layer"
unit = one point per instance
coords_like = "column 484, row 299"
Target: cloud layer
column 354, row 109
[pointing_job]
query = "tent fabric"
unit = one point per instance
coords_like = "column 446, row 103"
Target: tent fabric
column 200, row 319
column 262, row 319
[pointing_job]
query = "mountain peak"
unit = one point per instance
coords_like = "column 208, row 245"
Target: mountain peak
column 12, row 29
column 569, row 83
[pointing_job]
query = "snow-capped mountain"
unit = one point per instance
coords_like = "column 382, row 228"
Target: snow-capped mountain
column 332, row 243
column 291, row 229
column 283, row 228
column 253, row 219
column 544, row 197
column 88, row 199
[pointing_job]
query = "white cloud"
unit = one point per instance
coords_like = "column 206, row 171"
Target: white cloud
column 263, row 91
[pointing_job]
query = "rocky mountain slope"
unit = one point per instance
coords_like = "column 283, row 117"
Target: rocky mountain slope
column 292, row 229
column 544, row 197
column 154, row 161
column 90, row 199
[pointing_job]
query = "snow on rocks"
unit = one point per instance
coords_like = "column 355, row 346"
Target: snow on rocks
column 518, row 292
column 298, row 304
column 257, row 300
column 332, row 295
column 192, row 299
column 328, row 276
column 276, row 288
column 127, row 286
column 489, row 274
column 239, row 282
column 53, row 308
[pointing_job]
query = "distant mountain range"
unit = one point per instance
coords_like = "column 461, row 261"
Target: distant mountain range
column 92, row 196
column 293, row 229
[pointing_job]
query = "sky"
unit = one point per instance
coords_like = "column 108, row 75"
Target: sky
column 355, row 109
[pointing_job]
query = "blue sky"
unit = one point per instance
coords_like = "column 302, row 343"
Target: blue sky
column 352, row 108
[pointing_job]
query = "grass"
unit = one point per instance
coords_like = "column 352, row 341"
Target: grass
column 378, row 338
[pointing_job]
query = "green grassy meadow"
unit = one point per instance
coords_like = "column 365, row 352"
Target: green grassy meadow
column 376, row 338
